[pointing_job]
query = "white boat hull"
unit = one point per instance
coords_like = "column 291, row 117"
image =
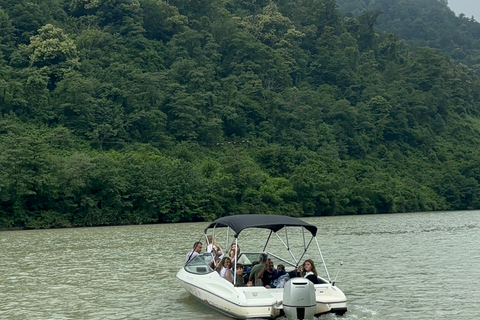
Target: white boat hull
column 252, row 302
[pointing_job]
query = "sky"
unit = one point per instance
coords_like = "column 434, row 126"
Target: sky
column 469, row 7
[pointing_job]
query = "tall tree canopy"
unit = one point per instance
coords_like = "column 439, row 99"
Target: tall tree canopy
column 153, row 111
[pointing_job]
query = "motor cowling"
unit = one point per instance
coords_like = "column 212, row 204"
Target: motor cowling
column 299, row 299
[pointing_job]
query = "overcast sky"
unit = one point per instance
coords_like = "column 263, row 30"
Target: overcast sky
column 469, row 7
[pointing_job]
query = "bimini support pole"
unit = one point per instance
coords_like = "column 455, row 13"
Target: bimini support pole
column 213, row 237
column 228, row 238
column 268, row 239
column 305, row 247
column 323, row 261
column 303, row 236
column 235, row 262
column 286, row 246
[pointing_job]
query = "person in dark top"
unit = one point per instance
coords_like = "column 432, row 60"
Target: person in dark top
column 309, row 272
column 239, row 278
column 268, row 274
column 280, row 272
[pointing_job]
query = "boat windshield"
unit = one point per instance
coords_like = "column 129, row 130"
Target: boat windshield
column 200, row 264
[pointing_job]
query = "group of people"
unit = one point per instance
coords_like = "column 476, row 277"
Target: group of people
column 225, row 267
column 223, row 264
column 262, row 272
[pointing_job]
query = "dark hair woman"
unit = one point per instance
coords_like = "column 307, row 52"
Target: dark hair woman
column 226, row 271
column 309, row 272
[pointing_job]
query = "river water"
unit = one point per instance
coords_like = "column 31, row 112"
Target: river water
column 399, row 266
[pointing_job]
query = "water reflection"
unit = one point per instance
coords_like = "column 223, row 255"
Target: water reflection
column 403, row 266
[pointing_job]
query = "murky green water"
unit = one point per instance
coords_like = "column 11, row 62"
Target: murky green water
column 403, row 266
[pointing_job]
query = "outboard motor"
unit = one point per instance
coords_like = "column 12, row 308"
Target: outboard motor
column 299, row 299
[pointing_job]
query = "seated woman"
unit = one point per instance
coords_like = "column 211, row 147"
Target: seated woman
column 309, row 272
column 239, row 258
column 225, row 269
column 217, row 251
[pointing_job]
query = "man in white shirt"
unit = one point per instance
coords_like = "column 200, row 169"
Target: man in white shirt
column 197, row 248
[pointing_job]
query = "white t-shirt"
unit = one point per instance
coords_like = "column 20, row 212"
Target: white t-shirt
column 224, row 271
column 209, row 248
column 190, row 256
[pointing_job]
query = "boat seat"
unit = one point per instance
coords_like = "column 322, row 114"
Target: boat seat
column 321, row 281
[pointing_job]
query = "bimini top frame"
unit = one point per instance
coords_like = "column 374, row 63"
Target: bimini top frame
column 274, row 223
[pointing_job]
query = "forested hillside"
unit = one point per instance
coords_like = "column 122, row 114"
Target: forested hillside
column 151, row 111
column 422, row 23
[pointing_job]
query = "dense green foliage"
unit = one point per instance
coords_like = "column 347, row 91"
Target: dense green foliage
column 147, row 111
column 423, row 23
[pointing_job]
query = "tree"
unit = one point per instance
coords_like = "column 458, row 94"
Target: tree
column 53, row 51
column 50, row 47
column 162, row 20
column 366, row 32
column 27, row 172
column 6, row 35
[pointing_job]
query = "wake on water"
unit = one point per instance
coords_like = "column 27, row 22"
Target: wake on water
column 354, row 312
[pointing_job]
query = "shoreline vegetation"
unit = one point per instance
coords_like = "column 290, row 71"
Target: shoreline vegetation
column 147, row 111
column 153, row 223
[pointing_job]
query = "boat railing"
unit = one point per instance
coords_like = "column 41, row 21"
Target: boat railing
column 281, row 259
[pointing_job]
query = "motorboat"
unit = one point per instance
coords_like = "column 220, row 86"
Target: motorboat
column 200, row 279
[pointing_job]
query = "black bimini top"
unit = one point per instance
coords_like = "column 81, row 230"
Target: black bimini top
column 266, row 221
